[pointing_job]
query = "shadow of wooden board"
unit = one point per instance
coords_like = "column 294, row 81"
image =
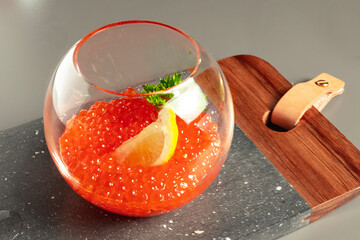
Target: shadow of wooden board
column 257, row 195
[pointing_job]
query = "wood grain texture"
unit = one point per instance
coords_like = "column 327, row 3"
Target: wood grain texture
column 316, row 158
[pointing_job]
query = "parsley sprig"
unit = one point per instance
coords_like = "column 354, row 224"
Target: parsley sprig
column 160, row 99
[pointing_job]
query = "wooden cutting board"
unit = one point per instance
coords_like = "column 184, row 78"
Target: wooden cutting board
column 315, row 158
column 297, row 177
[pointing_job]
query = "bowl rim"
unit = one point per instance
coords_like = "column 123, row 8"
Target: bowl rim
column 88, row 36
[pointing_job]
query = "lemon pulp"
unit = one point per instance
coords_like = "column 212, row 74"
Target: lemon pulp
column 154, row 145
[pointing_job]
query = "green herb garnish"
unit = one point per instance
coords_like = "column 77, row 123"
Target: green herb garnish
column 167, row 82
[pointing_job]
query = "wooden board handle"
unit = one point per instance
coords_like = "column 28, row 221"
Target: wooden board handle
column 316, row 92
column 315, row 158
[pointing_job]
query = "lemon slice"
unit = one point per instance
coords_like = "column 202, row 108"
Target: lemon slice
column 154, row 145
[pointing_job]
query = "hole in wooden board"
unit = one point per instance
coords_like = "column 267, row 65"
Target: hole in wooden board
column 270, row 125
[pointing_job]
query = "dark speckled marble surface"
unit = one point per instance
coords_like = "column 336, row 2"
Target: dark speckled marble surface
column 248, row 200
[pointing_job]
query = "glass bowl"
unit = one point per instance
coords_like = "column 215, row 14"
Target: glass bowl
column 138, row 118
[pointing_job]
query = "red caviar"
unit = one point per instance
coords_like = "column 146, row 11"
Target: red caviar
column 137, row 191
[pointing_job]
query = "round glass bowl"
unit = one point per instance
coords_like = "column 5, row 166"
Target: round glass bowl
column 138, row 118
